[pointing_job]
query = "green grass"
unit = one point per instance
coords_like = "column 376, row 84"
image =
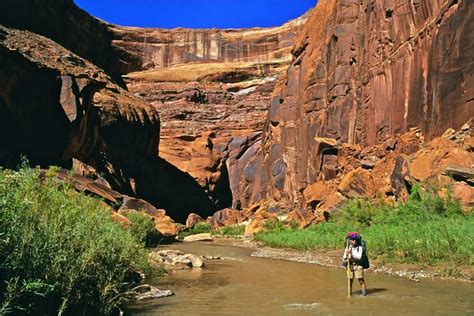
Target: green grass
column 426, row 229
column 231, row 231
column 60, row 252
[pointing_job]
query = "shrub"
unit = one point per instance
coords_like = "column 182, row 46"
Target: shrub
column 199, row 228
column 143, row 229
column 231, row 231
column 60, row 252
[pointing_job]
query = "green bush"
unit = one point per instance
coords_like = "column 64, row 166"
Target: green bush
column 231, row 231
column 143, row 229
column 427, row 229
column 199, row 228
column 60, row 252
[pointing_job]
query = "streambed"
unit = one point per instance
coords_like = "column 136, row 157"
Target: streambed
column 241, row 284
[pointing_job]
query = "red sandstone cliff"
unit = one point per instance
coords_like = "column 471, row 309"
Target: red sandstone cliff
column 363, row 71
column 211, row 86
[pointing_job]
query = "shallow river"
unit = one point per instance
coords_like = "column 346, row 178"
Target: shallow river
column 245, row 285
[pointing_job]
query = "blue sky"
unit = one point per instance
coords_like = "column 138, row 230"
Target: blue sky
column 196, row 13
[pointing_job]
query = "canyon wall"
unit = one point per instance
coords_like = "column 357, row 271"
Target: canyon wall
column 363, row 71
column 212, row 89
column 333, row 105
column 73, row 28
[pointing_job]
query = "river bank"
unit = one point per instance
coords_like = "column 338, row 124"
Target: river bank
column 332, row 259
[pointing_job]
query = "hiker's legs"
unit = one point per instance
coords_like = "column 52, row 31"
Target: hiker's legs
column 362, row 285
column 359, row 274
column 352, row 280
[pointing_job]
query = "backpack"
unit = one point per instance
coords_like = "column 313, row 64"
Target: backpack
column 364, row 261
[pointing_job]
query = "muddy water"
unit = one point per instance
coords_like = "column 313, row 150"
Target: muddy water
column 244, row 285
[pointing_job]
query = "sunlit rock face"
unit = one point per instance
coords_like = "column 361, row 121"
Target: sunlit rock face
column 212, row 89
column 363, row 71
column 165, row 48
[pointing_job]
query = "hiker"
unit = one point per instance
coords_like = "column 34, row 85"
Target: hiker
column 358, row 261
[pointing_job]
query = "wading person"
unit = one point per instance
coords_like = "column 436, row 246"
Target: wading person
column 355, row 255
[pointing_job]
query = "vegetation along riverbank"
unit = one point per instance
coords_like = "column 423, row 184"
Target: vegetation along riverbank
column 60, row 251
column 426, row 233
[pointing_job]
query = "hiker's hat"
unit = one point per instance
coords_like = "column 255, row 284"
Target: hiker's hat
column 352, row 235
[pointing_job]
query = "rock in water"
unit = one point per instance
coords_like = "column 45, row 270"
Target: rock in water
column 198, row 237
column 146, row 292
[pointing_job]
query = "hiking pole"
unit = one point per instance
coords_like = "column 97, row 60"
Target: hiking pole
column 348, row 269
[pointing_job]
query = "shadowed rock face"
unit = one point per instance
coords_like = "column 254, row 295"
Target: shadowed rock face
column 213, row 137
column 57, row 106
column 361, row 72
column 73, row 28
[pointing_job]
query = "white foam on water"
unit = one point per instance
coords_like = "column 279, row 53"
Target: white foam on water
column 303, row 307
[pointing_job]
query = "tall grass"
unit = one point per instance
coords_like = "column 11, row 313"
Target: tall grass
column 427, row 229
column 60, row 252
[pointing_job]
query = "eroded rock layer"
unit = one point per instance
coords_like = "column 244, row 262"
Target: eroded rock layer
column 363, row 71
column 208, row 130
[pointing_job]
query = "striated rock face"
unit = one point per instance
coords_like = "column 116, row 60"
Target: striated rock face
column 363, row 71
column 158, row 48
column 73, row 28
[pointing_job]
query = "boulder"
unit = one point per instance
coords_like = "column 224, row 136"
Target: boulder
column 465, row 194
column 146, row 292
column 256, row 225
column 226, row 217
column 193, row 219
column 317, row 192
column 332, row 202
column 198, row 237
column 196, row 262
column 303, row 217
column 120, row 219
column 356, row 183
column 165, row 225
column 435, row 158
